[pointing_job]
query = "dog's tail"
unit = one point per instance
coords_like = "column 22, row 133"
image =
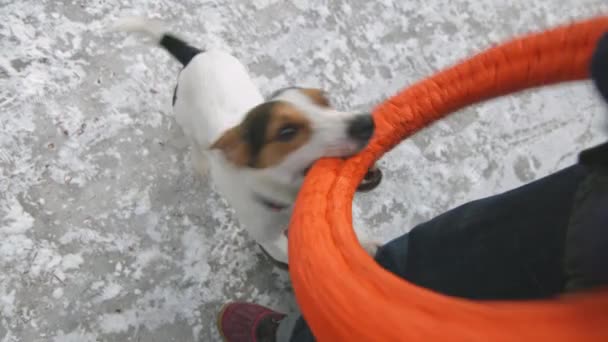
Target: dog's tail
column 178, row 48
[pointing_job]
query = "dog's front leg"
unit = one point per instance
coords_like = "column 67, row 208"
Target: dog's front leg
column 371, row 247
column 277, row 248
column 199, row 161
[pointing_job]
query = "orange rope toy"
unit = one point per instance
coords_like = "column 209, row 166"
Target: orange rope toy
column 345, row 296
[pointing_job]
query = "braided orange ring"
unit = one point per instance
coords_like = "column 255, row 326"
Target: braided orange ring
column 345, row 296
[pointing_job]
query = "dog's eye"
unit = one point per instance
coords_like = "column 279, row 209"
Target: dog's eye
column 287, row 132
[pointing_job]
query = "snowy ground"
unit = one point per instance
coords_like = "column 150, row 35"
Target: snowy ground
column 105, row 232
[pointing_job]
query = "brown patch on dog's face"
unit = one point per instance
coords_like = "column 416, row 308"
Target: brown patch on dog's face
column 233, row 146
column 286, row 131
column 317, row 96
column 266, row 136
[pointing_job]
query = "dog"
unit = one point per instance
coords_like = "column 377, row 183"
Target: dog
column 255, row 150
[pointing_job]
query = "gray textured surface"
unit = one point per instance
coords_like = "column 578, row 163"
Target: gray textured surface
column 105, row 232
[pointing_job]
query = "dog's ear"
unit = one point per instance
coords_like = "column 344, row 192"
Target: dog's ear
column 233, row 146
column 599, row 67
column 317, row 96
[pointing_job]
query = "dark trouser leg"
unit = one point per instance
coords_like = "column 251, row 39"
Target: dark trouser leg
column 586, row 259
column 509, row 246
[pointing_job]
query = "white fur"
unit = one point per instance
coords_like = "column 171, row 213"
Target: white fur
column 214, row 94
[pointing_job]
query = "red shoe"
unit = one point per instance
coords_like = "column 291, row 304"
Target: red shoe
column 246, row 322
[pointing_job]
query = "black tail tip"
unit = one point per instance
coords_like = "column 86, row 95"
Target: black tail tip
column 599, row 66
column 179, row 49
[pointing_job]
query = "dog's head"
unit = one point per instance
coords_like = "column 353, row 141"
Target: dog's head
column 295, row 127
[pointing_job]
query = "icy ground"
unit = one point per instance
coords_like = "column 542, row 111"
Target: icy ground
column 105, row 232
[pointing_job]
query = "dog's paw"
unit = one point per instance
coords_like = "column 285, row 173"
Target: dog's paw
column 372, row 179
column 371, row 247
column 279, row 262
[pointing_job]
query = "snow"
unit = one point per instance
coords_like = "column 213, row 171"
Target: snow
column 57, row 293
column 105, row 231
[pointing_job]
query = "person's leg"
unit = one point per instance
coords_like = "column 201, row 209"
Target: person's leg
column 292, row 325
column 508, row 246
column 586, row 260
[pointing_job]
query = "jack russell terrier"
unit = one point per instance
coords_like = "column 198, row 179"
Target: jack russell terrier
column 256, row 151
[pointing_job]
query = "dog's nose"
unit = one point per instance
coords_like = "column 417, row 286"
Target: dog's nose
column 361, row 127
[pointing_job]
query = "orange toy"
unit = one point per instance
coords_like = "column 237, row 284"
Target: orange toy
column 345, row 296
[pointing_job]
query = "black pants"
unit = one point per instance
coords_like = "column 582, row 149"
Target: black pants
column 509, row 246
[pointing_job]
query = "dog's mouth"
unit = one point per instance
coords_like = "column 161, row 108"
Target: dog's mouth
column 305, row 172
column 345, row 149
column 372, row 178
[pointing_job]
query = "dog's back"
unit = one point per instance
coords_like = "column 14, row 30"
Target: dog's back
column 213, row 94
column 214, row 90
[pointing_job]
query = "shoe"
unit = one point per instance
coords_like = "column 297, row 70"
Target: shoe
column 247, row 322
